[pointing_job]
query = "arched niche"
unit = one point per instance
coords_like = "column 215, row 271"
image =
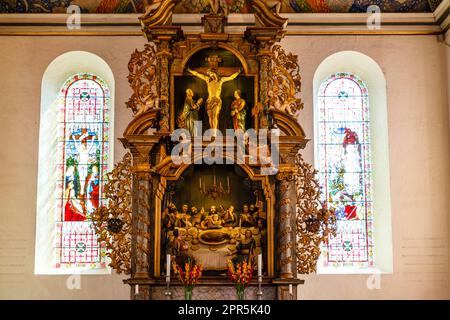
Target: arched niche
column 169, row 182
column 231, row 60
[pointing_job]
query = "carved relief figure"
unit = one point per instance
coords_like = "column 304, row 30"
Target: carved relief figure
column 245, row 250
column 238, row 111
column 189, row 114
column 214, row 102
column 180, row 248
column 246, row 218
column 213, row 220
column 229, row 218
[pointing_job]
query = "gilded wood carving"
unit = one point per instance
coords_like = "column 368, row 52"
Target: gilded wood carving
column 314, row 222
column 113, row 222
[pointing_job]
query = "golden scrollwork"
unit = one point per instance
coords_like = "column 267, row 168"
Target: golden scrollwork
column 285, row 82
column 112, row 222
column 158, row 13
column 143, row 79
column 314, row 222
column 267, row 13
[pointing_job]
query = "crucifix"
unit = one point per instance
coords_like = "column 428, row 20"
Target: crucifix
column 215, row 77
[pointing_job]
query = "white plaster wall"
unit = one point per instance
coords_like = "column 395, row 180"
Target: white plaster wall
column 418, row 121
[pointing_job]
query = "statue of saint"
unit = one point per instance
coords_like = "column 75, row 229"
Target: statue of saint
column 245, row 250
column 180, row 248
column 238, row 111
column 246, row 218
column 212, row 220
column 190, row 113
column 197, row 217
column 214, row 102
column 229, row 217
column 184, row 218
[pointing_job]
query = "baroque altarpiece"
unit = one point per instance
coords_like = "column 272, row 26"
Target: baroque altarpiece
column 207, row 83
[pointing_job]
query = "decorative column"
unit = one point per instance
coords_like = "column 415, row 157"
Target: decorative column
column 264, row 55
column 142, row 221
column 286, row 222
column 264, row 38
column 163, row 37
column 141, row 218
column 164, row 56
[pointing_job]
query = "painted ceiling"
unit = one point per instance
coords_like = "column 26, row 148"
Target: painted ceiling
column 235, row 6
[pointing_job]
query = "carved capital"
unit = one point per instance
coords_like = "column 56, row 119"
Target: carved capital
column 286, row 173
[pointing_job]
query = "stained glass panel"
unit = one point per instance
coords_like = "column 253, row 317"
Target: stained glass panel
column 345, row 169
column 83, row 142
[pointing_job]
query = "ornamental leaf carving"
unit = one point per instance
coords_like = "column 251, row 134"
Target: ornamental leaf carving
column 285, row 82
column 314, row 222
column 143, row 78
column 112, row 222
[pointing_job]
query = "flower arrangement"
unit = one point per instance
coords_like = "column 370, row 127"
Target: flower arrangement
column 240, row 273
column 189, row 276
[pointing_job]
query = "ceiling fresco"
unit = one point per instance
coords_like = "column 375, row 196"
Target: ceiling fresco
column 201, row 6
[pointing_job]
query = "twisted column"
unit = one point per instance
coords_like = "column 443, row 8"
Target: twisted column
column 286, row 231
column 141, row 221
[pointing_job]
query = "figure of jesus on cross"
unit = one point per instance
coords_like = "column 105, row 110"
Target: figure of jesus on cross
column 214, row 103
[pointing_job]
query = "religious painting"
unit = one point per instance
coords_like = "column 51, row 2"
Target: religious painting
column 202, row 6
column 83, row 124
column 345, row 168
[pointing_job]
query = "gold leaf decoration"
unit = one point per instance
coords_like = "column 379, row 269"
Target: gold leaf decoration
column 285, row 82
column 112, row 222
column 315, row 223
column 143, row 78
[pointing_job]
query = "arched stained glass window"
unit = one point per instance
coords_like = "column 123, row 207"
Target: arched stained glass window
column 82, row 160
column 344, row 158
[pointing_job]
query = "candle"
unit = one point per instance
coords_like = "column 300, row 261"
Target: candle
column 228, row 183
column 168, row 266
column 200, row 183
column 290, row 289
column 214, row 180
column 259, row 265
column 136, row 289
